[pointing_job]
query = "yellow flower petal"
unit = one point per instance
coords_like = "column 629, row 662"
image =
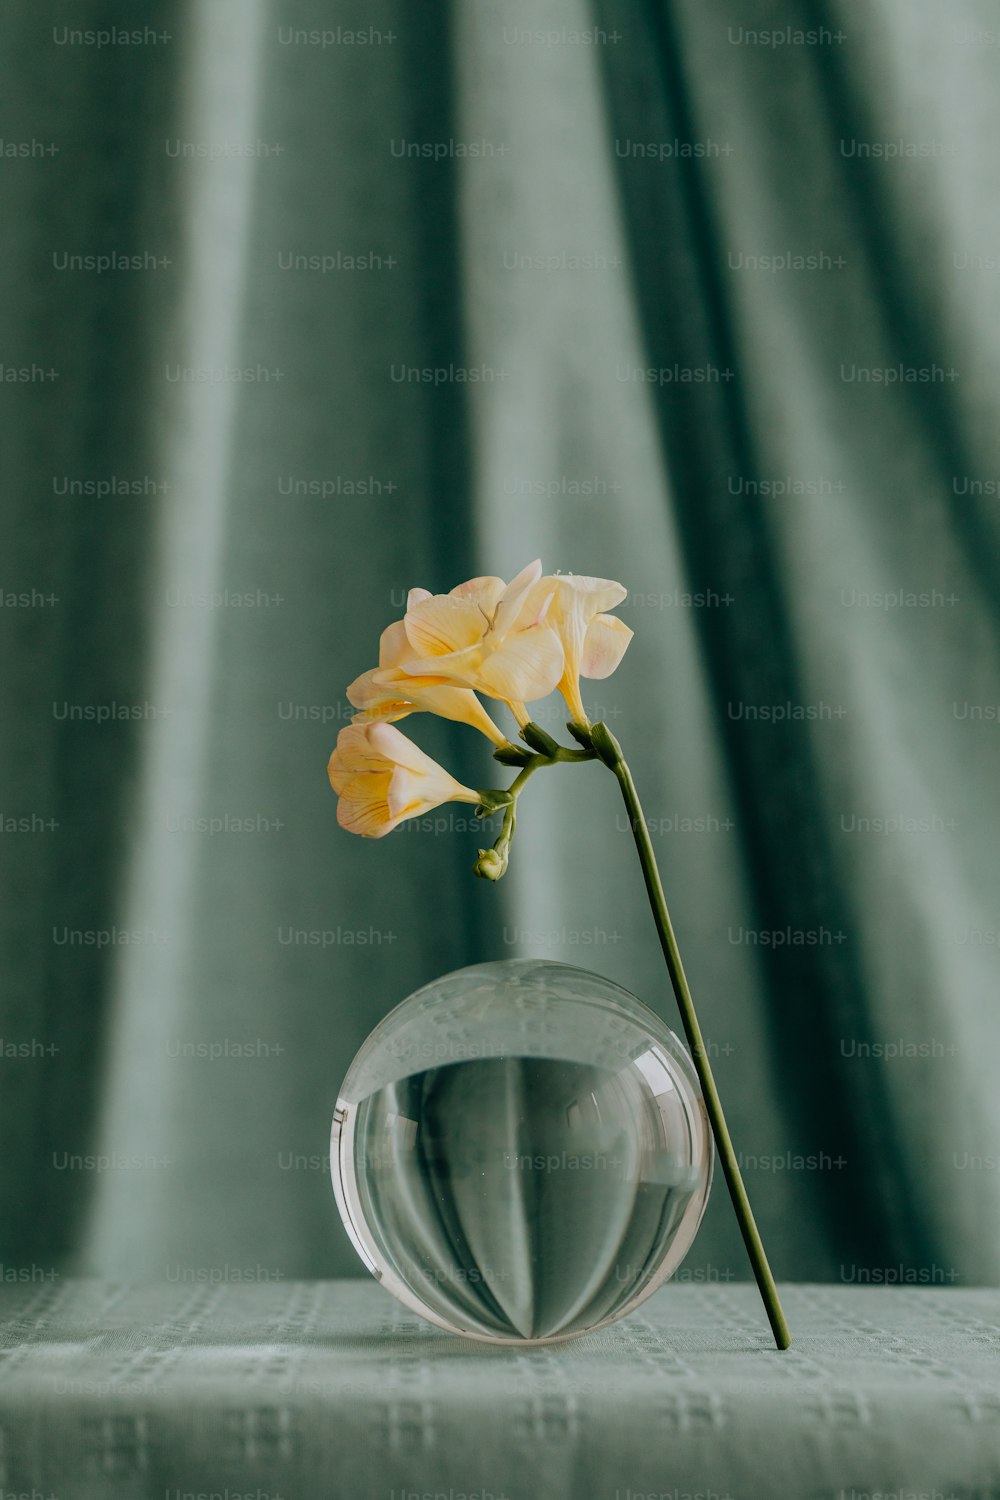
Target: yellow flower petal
column 461, row 667
column 604, row 645
column 508, row 614
column 443, row 624
column 524, row 667
column 599, row 594
column 394, row 749
column 455, row 703
column 364, row 809
column 365, row 691
column 412, row 792
column 393, row 646
column 352, row 756
column 484, row 593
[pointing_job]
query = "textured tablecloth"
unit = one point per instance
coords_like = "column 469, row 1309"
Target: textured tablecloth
column 330, row 1389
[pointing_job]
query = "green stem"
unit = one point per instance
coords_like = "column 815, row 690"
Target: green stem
column 610, row 752
column 492, row 863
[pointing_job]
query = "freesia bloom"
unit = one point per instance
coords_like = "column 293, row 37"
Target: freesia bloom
column 391, row 691
column 593, row 642
column 483, row 636
column 381, row 778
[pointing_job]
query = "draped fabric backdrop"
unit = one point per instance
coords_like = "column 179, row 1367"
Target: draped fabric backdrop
column 193, row 949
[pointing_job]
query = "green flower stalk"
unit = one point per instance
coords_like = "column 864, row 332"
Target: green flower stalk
column 515, row 643
column 610, row 753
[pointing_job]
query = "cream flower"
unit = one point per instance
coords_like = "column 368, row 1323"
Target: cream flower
column 391, row 691
column 593, row 642
column 382, row 778
column 483, row 636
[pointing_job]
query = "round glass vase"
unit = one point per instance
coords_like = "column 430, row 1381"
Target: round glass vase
column 520, row 1152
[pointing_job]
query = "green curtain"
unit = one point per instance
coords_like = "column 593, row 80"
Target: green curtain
column 711, row 293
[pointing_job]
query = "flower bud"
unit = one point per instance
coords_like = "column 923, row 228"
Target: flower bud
column 512, row 755
column 490, row 865
column 536, row 737
column 606, row 746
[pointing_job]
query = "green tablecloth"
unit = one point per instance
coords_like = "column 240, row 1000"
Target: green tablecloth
column 329, row 1389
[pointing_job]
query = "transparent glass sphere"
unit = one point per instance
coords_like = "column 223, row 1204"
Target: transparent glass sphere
column 520, row 1152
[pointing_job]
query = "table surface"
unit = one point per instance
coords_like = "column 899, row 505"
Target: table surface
column 327, row 1389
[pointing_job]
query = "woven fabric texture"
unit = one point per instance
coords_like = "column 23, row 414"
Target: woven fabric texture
column 311, row 1389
